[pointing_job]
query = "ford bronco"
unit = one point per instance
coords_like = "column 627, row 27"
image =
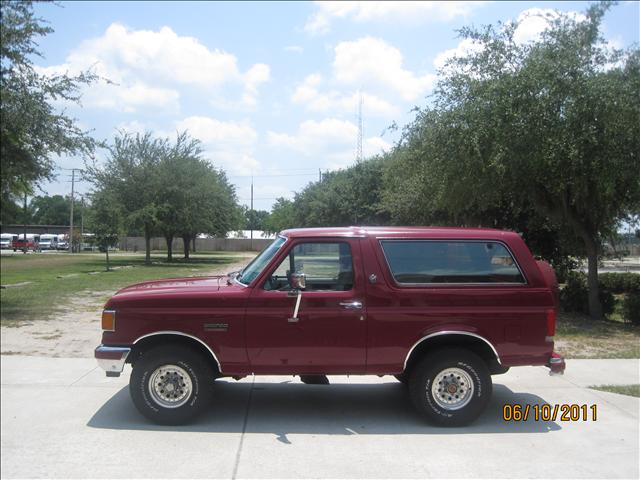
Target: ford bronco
column 441, row 309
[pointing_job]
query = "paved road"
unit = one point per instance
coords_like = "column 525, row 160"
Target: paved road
column 63, row 418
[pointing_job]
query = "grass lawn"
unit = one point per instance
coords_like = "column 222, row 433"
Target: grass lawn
column 56, row 277
column 578, row 336
column 631, row 390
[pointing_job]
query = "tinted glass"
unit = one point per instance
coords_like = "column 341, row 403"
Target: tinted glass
column 425, row 261
column 327, row 266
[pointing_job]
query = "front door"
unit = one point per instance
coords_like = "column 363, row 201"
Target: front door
column 328, row 335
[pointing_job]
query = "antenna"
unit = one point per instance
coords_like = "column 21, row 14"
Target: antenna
column 359, row 145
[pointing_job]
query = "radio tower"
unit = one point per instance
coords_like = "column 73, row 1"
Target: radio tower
column 359, row 145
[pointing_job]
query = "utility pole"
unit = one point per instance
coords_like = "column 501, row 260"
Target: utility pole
column 81, row 221
column 73, row 190
column 251, row 214
column 24, row 250
column 359, row 145
column 320, row 175
column 73, row 183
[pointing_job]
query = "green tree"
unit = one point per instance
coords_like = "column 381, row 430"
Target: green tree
column 105, row 219
column 282, row 216
column 254, row 219
column 194, row 197
column 345, row 197
column 31, row 130
column 131, row 176
column 552, row 125
column 213, row 207
column 53, row 210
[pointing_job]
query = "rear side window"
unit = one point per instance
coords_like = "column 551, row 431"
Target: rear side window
column 450, row 261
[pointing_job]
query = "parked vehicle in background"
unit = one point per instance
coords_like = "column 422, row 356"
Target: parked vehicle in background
column 32, row 242
column 63, row 242
column 6, row 240
column 441, row 309
column 48, row 241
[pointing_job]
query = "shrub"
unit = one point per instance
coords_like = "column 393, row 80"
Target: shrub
column 631, row 308
column 620, row 282
column 574, row 297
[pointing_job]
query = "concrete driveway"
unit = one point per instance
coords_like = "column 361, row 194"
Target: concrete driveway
column 63, row 418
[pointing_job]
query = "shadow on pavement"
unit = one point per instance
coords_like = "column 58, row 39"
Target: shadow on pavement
column 338, row 409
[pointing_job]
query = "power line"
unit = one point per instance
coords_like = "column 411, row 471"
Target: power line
column 275, row 175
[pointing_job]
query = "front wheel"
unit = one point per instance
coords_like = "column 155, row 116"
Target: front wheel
column 171, row 385
column 451, row 387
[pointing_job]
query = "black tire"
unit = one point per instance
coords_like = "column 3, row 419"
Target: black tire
column 148, row 369
column 454, row 367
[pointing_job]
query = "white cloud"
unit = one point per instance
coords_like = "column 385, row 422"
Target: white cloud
column 149, row 66
column 294, row 49
column 533, row 21
column 386, row 11
column 371, row 62
column 308, row 94
column 132, row 127
column 230, row 145
column 464, row 48
column 332, row 139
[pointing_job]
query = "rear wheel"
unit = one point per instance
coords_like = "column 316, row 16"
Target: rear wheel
column 171, row 385
column 450, row 387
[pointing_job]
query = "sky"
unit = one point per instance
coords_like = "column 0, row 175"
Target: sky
column 272, row 90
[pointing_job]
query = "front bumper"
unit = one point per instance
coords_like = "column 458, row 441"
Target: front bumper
column 112, row 359
column 556, row 364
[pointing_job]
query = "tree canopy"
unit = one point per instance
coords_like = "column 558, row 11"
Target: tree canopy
column 166, row 188
column 541, row 137
column 32, row 131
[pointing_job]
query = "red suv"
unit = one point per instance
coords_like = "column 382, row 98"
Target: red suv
column 441, row 309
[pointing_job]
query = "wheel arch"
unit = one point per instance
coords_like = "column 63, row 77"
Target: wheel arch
column 455, row 338
column 153, row 339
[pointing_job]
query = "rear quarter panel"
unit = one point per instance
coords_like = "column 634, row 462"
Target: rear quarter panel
column 511, row 317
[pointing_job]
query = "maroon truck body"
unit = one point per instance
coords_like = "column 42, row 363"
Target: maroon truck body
column 375, row 325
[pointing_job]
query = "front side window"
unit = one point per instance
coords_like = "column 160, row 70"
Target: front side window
column 450, row 261
column 255, row 267
column 327, row 266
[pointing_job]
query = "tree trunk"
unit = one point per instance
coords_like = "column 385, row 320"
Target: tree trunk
column 169, row 239
column 194, row 243
column 186, row 240
column 595, row 308
column 106, row 251
column 147, row 246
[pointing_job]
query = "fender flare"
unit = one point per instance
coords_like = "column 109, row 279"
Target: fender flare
column 451, row 332
column 181, row 334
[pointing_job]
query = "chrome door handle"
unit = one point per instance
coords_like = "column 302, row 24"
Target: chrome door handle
column 352, row 305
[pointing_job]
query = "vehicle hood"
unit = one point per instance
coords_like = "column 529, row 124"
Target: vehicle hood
column 177, row 285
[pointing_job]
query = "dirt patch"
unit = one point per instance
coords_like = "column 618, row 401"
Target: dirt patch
column 74, row 330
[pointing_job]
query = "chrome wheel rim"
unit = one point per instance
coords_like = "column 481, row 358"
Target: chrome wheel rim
column 170, row 386
column 452, row 389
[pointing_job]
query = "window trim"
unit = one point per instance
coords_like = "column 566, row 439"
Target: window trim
column 450, row 284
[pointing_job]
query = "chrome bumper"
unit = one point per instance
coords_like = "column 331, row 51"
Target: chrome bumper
column 112, row 359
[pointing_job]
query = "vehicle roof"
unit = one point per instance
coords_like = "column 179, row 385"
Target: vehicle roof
column 398, row 232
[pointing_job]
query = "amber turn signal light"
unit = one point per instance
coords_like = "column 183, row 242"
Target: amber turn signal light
column 109, row 320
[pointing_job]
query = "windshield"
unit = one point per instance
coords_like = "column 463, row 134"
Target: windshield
column 251, row 271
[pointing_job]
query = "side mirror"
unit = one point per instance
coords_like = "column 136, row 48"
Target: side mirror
column 298, row 281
